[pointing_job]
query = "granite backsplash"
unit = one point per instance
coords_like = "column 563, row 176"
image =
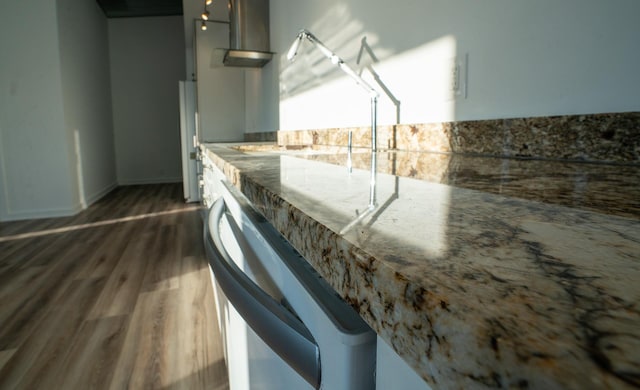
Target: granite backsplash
column 610, row 137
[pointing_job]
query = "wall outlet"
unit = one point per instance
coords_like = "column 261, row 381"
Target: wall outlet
column 458, row 76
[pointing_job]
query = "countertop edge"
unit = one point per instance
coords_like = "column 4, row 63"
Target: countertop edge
column 411, row 325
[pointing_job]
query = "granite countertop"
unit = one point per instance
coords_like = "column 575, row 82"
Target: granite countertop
column 480, row 272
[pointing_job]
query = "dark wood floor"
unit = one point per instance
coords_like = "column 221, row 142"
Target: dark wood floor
column 118, row 296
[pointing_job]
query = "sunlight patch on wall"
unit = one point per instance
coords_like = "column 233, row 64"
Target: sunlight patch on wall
column 78, row 151
column 315, row 94
column 4, row 195
column 422, row 79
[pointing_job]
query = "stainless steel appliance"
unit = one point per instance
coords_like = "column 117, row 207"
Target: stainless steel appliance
column 283, row 326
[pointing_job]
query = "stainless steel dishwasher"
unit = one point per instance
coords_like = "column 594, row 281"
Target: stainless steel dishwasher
column 283, row 326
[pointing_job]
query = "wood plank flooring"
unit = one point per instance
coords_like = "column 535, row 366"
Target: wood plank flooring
column 116, row 297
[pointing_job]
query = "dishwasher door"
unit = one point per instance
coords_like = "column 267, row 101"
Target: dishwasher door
column 283, row 326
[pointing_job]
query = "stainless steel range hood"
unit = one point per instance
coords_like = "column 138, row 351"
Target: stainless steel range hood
column 248, row 34
column 246, row 58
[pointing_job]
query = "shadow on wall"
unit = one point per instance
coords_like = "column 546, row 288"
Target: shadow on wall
column 341, row 33
column 368, row 65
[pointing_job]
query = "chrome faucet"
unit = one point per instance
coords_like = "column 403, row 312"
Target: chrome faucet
column 373, row 94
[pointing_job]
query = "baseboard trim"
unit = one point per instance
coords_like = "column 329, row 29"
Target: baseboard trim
column 162, row 180
column 45, row 213
column 99, row 194
column 56, row 213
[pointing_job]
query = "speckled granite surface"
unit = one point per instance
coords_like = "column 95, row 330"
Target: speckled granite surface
column 577, row 185
column 613, row 137
column 479, row 272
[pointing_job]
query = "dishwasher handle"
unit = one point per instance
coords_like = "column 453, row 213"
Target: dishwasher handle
column 277, row 327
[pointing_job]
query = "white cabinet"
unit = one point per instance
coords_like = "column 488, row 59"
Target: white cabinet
column 210, row 181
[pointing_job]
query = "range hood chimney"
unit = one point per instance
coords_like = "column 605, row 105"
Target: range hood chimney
column 248, row 34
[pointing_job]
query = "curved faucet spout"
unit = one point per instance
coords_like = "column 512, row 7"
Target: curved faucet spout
column 293, row 50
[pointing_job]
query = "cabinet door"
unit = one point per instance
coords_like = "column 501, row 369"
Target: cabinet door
column 211, row 179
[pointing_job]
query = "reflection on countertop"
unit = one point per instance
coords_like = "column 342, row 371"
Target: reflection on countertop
column 608, row 188
column 480, row 272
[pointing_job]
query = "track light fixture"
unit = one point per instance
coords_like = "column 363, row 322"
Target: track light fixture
column 208, row 2
column 205, row 15
column 203, row 26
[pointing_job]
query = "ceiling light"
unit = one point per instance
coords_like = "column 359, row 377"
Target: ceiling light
column 205, row 15
column 208, row 2
column 203, row 26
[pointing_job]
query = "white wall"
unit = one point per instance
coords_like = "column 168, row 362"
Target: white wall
column 84, row 59
column 524, row 59
column 261, row 97
column 221, row 95
column 147, row 61
column 221, row 90
column 34, row 153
